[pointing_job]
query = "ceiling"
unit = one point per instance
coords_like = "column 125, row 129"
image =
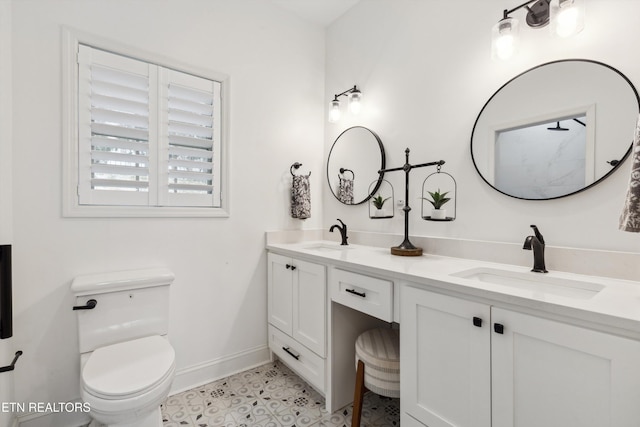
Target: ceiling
column 322, row 12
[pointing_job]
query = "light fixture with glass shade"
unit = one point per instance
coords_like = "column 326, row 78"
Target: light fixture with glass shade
column 355, row 101
column 504, row 40
column 566, row 17
column 355, row 104
column 334, row 111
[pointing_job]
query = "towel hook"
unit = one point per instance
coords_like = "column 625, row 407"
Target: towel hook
column 296, row 166
column 343, row 170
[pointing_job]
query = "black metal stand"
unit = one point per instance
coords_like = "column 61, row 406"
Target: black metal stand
column 406, row 248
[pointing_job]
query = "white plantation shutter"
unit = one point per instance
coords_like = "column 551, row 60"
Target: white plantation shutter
column 148, row 135
column 193, row 141
column 114, row 129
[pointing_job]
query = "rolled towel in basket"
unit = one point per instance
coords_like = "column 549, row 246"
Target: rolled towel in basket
column 345, row 190
column 630, row 217
column 300, row 197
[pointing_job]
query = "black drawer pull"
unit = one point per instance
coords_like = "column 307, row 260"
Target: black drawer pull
column 353, row 291
column 289, row 266
column 91, row 304
column 295, row 356
column 498, row 328
column 477, row 322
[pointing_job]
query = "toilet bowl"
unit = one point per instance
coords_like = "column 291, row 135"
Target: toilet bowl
column 125, row 383
column 127, row 362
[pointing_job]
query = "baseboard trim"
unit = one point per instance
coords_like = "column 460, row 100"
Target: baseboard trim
column 215, row 369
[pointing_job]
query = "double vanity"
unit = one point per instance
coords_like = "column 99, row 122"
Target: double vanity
column 482, row 344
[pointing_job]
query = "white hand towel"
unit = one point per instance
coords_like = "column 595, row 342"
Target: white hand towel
column 630, row 218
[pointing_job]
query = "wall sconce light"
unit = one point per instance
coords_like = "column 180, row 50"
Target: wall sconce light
column 566, row 18
column 355, row 104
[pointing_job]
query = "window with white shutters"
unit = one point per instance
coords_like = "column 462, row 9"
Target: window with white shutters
column 148, row 135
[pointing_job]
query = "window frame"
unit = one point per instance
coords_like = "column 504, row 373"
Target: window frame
column 70, row 134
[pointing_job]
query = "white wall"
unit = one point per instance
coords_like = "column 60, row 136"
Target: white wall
column 5, row 123
column 218, row 304
column 425, row 70
column 6, row 229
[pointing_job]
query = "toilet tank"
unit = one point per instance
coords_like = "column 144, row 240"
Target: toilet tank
column 130, row 304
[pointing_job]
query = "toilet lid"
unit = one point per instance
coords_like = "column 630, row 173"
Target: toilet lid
column 128, row 368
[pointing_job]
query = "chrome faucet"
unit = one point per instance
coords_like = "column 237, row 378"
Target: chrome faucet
column 536, row 243
column 343, row 231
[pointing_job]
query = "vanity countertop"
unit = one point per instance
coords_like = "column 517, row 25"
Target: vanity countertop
column 616, row 305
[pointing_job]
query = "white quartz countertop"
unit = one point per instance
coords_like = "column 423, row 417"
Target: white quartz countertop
column 616, row 305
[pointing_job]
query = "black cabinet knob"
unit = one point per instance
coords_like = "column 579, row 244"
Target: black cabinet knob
column 498, row 328
column 477, row 322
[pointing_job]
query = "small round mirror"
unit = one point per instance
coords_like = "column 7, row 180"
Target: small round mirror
column 355, row 158
column 556, row 129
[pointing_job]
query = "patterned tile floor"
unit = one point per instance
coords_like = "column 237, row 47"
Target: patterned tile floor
column 270, row 395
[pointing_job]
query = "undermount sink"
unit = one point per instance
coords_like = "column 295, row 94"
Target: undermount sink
column 535, row 282
column 326, row 247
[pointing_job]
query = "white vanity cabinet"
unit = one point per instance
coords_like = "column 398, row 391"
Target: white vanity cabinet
column 473, row 353
column 445, row 360
column 548, row 373
column 297, row 294
column 468, row 364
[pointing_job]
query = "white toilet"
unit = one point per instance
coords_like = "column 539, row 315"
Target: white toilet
column 127, row 364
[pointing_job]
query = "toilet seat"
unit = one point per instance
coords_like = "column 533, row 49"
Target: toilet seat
column 128, row 369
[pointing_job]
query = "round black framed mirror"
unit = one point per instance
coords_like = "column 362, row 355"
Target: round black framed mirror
column 555, row 130
column 354, row 160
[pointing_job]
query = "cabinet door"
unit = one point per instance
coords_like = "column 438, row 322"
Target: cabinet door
column 309, row 305
column 551, row 374
column 445, row 358
column 280, row 292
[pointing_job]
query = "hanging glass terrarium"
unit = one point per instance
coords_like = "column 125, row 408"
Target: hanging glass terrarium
column 439, row 197
column 381, row 204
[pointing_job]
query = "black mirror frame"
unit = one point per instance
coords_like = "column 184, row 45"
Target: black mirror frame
column 380, row 174
column 527, row 71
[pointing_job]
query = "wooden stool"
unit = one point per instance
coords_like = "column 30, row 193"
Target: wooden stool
column 377, row 367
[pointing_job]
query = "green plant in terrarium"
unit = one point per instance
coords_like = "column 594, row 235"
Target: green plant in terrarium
column 438, row 198
column 378, row 201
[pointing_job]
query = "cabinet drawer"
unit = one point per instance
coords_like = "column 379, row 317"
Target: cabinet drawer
column 309, row 365
column 367, row 294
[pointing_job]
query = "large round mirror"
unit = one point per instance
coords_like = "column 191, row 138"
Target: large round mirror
column 355, row 158
column 555, row 130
